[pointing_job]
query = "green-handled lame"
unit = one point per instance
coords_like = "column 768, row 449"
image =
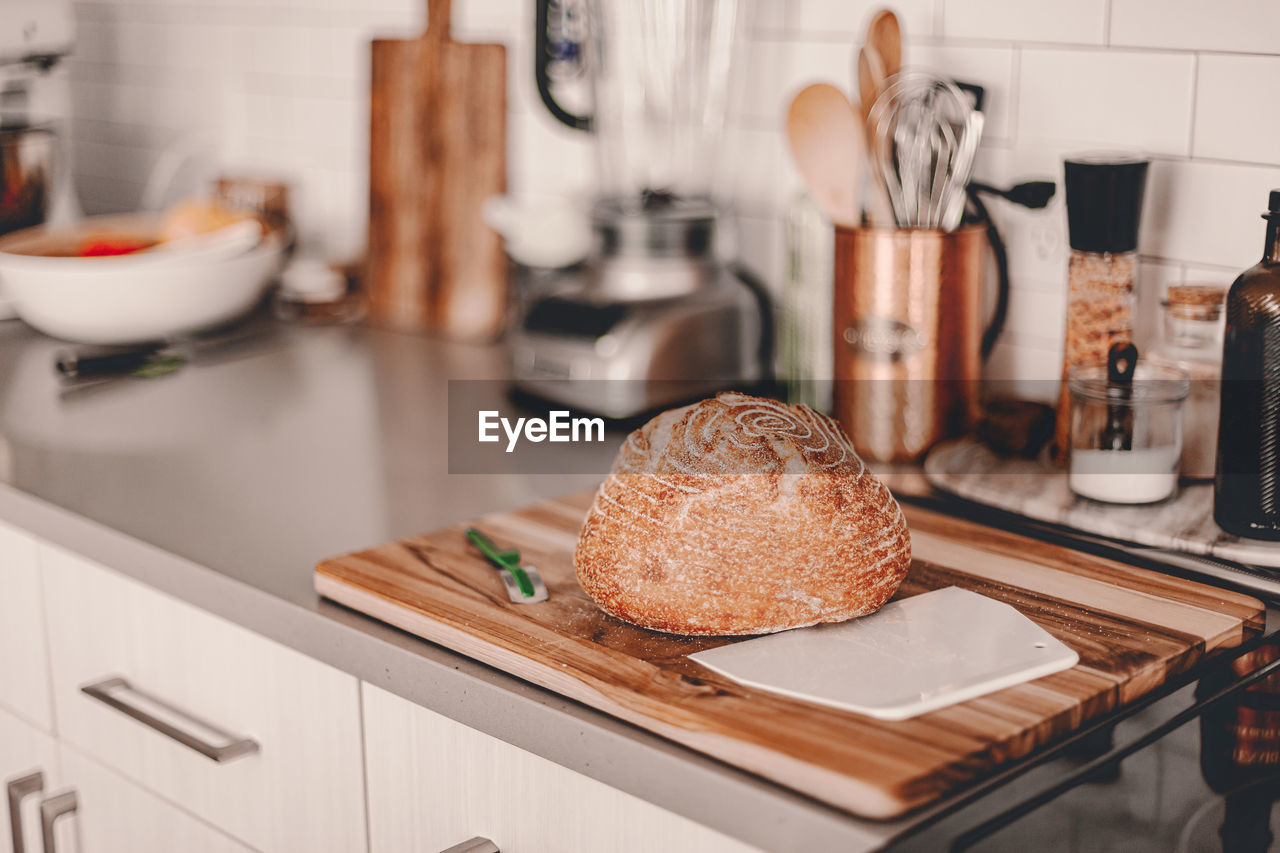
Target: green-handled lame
column 524, row 584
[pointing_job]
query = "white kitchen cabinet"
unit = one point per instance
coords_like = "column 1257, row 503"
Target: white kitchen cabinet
column 24, row 673
column 24, row 751
column 434, row 783
column 299, row 787
column 113, row 815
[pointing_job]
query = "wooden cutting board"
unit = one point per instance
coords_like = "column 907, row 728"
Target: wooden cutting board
column 1132, row 629
column 437, row 150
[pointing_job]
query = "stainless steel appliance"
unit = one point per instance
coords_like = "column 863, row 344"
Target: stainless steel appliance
column 34, row 36
column 653, row 316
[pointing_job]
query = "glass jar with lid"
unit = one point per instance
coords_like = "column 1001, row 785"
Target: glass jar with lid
column 1126, row 440
column 1191, row 340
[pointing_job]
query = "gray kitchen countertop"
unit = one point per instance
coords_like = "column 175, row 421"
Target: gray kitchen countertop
column 224, row 484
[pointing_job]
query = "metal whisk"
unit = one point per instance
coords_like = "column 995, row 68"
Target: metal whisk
column 925, row 138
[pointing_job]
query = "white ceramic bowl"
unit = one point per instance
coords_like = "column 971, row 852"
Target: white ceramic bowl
column 128, row 298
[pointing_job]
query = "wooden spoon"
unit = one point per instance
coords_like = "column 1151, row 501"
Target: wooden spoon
column 871, row 83
column 827, row 145
column 884, row 34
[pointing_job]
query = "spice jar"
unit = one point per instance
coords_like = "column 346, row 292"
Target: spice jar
column 1125, row 442
column 1191, row 340
column 1104, row 207
column 267, row 199
column 316, row 293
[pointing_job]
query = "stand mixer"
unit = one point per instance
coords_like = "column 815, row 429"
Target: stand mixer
column 35, row 185
column 34, row 36
column 652, row 318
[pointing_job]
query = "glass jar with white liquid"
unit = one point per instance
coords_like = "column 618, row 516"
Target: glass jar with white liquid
column 1126, row 439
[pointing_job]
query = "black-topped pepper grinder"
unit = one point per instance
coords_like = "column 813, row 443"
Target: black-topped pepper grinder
column 1104, row 210
column 1246, row 492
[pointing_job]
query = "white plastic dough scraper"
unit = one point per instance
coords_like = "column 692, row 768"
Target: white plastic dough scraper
column 915, row 655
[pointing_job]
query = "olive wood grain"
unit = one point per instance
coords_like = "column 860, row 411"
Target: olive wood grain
column 1132, row 629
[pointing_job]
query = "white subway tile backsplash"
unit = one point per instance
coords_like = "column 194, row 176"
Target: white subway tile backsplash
column 775, row 70
column 349, row 54
column 989, row 67
column 756, row 174
column 96, row 42
column 1235, row 116
column 1077, row 21
column 1203, row 274
column 1246, row 26
column 1136, row 100
column 492, row 20
column 287, row 50
column 104, row 160
column 1154, row 278
column 547, row 158
column 1036, row 317
column 761, row 246
column 1036, row 240
column 105, row 194
column 1207, row 213
column 1027, row 371
column 841, row 19
column 144, row 43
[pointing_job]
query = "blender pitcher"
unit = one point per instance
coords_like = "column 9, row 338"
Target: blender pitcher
column 659, row 77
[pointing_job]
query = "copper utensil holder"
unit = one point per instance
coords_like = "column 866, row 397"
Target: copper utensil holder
column 908, row 336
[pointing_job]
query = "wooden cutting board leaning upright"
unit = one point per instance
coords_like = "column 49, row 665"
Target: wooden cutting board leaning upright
column 437, row 150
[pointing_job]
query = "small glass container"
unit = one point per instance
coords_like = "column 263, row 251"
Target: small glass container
column 806, row 351
column 1192, row 341
column 1126, row 440
column 315, row 293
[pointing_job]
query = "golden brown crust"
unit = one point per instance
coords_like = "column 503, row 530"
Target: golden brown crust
column 741, row 515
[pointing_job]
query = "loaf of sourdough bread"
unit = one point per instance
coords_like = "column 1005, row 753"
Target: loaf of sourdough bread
column 741, row 515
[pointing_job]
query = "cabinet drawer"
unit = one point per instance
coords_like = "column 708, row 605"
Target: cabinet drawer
column 113, row 815
column 192, row 679
column 25, row 750
column 24, row 674
column 434, row 783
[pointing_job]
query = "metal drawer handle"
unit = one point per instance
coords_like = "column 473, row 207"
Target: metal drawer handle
column 205, row 738
column 474, row 845
column 19, row 789
column 52, row 808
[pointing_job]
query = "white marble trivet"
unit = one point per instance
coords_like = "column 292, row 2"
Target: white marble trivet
column 1037, row 489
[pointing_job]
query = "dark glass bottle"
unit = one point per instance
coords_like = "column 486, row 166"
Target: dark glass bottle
column 1246, row 494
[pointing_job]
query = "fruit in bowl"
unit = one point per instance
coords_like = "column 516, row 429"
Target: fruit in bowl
column 139, row 277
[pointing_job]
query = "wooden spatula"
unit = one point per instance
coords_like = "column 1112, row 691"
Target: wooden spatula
column 825, row 135
column 437, row 145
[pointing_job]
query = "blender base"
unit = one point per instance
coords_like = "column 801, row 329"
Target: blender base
column 622, row 359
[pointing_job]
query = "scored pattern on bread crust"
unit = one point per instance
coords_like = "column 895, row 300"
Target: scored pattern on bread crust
column 741, row 515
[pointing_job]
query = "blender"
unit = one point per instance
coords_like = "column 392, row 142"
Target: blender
column 652, row 317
